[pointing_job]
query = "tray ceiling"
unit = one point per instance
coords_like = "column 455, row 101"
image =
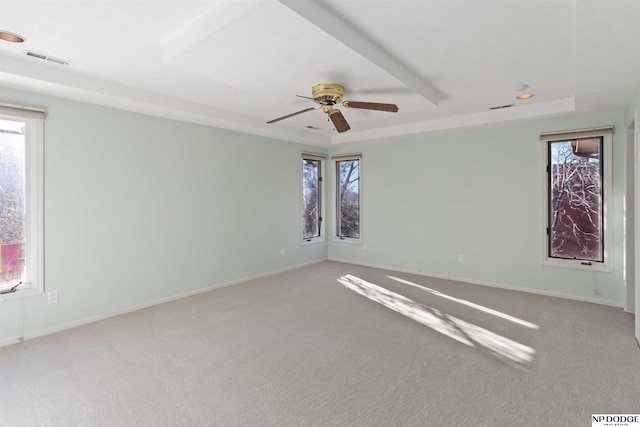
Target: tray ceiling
column 238, row 64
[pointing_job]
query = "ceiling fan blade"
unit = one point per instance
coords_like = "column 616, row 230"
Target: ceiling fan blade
column 306, row 97
column 293, row 114
column 392, row 108
column 339, row 121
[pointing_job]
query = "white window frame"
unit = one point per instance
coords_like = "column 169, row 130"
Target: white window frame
column 321, row 212
column 606, row 132
column 33, row 282
column 336, row 203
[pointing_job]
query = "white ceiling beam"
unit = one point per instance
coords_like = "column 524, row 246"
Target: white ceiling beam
column 328, row 21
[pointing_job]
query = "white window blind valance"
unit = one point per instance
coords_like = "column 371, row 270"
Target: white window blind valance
column 576, row 134
column 347, row 156
column 21, row 112
column 315, row 156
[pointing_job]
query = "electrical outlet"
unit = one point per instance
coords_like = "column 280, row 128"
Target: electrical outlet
column 281, row 251
column 596, row 292
column 460, row 258
column 365, row 247
column 52, row 297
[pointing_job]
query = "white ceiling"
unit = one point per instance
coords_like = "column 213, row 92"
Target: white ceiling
column 237, row 64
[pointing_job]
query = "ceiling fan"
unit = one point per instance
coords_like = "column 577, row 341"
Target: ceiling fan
column 330, row 94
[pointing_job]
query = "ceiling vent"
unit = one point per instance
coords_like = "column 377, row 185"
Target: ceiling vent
column 46, row 57
column 501, row 107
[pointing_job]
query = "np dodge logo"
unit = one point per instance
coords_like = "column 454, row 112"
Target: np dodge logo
column 615, row 420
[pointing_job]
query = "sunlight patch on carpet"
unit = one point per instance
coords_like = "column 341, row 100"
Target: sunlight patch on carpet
column 470, row 304
column 503, row 348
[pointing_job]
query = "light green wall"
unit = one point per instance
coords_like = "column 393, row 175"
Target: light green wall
column 139, row 208
column 426, row 199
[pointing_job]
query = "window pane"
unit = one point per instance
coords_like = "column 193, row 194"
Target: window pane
column 310, row 198
column 348, row 198
column 576, row 202
column 12, row 202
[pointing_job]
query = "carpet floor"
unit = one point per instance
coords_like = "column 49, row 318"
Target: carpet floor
column 332, row 344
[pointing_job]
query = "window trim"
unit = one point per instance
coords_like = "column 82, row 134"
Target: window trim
column 606, row 132
column 34, row 198
column 336, row 204
column 321, row 211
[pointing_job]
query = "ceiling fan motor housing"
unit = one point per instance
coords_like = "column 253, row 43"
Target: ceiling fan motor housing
column 330, row 94
column 327, row 93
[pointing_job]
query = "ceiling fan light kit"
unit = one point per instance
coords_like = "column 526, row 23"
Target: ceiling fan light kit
column 330, row 94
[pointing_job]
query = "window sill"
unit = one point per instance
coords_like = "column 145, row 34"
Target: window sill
column 577, row 265
column 314, row 241
column 21, row 293
column 348, row 240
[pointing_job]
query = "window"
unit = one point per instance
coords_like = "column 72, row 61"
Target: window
column 578, row 192
column 21, row 173
column 312, row 227
column 348, row 190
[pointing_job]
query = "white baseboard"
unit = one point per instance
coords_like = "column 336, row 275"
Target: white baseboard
column 80, row 322
column 486, row 283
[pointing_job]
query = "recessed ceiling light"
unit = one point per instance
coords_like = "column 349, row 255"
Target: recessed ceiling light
column 11, row 37
column 525, row 96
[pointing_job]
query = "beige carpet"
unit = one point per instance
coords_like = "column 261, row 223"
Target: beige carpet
column 332, row 345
